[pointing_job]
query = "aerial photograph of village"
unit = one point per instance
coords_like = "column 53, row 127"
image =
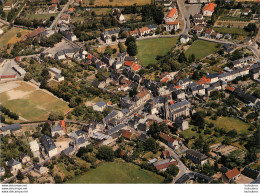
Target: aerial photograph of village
column 130, row 92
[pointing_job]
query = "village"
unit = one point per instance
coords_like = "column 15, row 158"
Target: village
column 168, row 92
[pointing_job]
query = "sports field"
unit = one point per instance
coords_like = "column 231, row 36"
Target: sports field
column 114, row 3
column 150, row 48
column 230, row 123
column 201, row 49
column 29, row 102
column 117, row 173
column 10, row 37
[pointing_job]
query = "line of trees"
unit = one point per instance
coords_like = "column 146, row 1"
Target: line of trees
column 9, row 113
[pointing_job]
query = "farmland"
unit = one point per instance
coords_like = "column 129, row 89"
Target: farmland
column 117, row 172
column 235, row 31
column 30, row 103
column 201, row 49
column 160, row 47
column 10, row 37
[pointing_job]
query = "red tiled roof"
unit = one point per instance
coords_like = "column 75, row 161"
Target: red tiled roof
column 142, row 94
column 129, row 63
column 210, row 7
column 89, row 56
column 17, row 58
column 232, row 173
column 166, row 137
column 172, row 23
column 165, row 79
column 62, row 123
column 166, row 165
column 55, row 1
column 230, row 88
column 136, row 67
column 36, row 32
column 203, row 80
column 172, row 13
column 53, row 5
column 127, row 134
column 143, row 29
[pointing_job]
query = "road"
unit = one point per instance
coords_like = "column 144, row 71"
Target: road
column 185, row 17
column 182, row 167
column 54, row 23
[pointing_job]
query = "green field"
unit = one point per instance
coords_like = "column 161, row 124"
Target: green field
column 235, row 31
column 150, row 48
column 31, row 104
column 201, row 49
column 230, row 123
column 117, row 173
column 10, row 37
column 41, row 16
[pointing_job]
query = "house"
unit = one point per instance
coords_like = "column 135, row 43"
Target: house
column 255, row 73
column 34, row 146
column 171, row 16
column 171, row 142
column 69, row 35
column 134, row 33
column 116, row 129
column 228, row 48
column 81, row 142
column 59, row 77
column 184, row 39
column 57, row 130
column 164, row 164
column 108, row 60
column 196, row 157
column 8, row 6
column 209, row 9
column 40, row 169
column 178, row 94
column 246, row 11
column 65, row 18
column 117, row 64
column 213, row 77
column 144, row 31
column 244, row 96
column 7, row 130
column 55, row 70
column 198, row 1
column 24, row 158
column 2, row 171
column 100, row 106
column 197, row 29
column 197, row 16
column 60, row 55
column 152, row 27
column 128, row 135
column 53, row 8
column 20, row 71
column 232, row 174
column 181, row 123
column 199, row 22
column 142, row 97
column 121, row 18
column 49, row 146
column 68, row 151
column 251, row 173
column 243, row 61
column 172, row 26
column 35, row 33
column 14, row 166
column 208, row 32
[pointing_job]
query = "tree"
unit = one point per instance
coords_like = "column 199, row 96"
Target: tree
column 132, row 49
column 28, row 76
column 182, row 58
column 129, row 39
column 55, row 116
column 105, row 153
column 108, row 51
column 20, row 175
column 121, row 48
column 173, row 170
column 151, row 145
column 19, row 34
column 113, row 38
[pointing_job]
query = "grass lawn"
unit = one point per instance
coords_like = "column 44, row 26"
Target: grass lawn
column 150, row 48
column 230, row 123
column 31, row 104
column 189, row 133
column 119, row 173
column 151, row 155
column 235, row 31
column 201, row 49
column 227, row 18
column 10, row 37
column 41, row 16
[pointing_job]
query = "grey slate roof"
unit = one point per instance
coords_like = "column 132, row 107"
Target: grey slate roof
column 197, row 154
column 56, row 128
column 48, row 143
column 115, row 129
column 12, row 127
column 12, row 163
column 179, row 104
column 101, row 104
